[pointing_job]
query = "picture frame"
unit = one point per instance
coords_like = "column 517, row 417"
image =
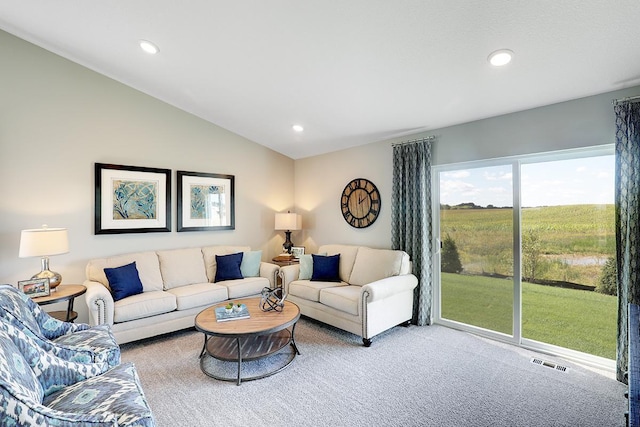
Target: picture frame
column 35, row 287
column 206, row 201
column 297, row 251
column 132, row 199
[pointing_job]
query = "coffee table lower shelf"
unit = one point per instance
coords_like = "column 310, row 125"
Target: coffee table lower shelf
column 218, row 351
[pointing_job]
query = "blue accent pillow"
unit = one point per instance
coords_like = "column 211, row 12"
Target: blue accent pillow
column 228, row 267
column 250, row 265
column 326, row 268
column 124, row 281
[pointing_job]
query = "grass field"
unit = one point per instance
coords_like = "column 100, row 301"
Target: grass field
column 574, row 319
column 484, row 238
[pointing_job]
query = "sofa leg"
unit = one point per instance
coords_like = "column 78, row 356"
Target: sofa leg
column 366, row 342
column 406, row 324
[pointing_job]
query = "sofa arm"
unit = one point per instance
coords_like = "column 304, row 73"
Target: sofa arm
column 289, row 273
column 100, row 303
column 270, row 271
column 384, row 288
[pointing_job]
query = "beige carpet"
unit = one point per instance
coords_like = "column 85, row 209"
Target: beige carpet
column 415, row 376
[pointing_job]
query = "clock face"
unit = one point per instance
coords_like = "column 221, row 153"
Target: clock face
column 360, row 203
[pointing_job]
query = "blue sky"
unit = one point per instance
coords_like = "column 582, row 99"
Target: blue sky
column 564, row 182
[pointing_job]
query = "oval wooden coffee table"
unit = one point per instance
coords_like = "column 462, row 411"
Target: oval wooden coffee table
column 264, row 333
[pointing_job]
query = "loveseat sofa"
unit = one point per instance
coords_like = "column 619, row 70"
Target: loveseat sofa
column 361, row 290
column 175, row 286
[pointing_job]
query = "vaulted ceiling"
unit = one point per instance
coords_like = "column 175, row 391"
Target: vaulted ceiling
column 351, row 72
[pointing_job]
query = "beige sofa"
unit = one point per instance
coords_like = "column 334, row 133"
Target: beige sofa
column 375, row 291
column 177, row 284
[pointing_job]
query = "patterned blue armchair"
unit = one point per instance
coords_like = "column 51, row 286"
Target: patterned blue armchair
column 71, row 341
column 37, row 388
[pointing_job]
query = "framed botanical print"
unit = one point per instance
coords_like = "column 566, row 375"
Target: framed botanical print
column 132, row 199
column 205, row 201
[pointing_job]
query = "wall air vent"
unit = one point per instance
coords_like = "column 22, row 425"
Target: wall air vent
column 551, row 365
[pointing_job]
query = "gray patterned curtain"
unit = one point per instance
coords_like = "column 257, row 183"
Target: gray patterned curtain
column 411, row 217
column 627, row 200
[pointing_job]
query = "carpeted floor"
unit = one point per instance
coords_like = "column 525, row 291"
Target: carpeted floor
column 415, row 376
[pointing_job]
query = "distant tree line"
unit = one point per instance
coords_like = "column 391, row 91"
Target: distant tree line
column 471, row 205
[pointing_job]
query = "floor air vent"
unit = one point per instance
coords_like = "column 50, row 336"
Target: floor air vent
column 549, row 364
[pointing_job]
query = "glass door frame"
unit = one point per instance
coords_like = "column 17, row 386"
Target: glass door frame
column 516, row 339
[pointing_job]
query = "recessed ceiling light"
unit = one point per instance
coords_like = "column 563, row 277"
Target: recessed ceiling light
column 500, row 57
column 149, row 47
column 297, row 128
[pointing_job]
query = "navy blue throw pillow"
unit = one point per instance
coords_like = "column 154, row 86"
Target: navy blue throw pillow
column 124, row 281
column 228, row 267
column 326, row 268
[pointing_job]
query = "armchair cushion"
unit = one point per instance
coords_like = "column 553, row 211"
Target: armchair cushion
column 326, row 268
column 228, row 267
column 52, row 372
column 16, row 377
column 124, row 281
column 93, row 344
column 115, row 395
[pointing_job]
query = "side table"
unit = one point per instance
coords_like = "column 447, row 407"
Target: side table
column 283, row 260
column 63, row 293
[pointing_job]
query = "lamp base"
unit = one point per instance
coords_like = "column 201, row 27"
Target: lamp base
column 288, row 244
column 54, row 278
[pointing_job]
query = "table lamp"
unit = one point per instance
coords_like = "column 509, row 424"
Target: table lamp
column 44, row 242
column 288, row 222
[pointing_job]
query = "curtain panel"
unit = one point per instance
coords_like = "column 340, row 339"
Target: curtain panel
column 627, row 207
column 411, row 218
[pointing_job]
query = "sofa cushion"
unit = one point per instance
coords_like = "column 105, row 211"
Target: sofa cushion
column 228, row 267
column 210, row 252
column 143, row 305
column 309, row 290
column 375, row 264
column 343, row 298
column 326, row 268
column 181, row 267
column 250, row 265
column 245, row 287
column 124, row 281
column 197, row 295
column 347, row 258
column 146, row 263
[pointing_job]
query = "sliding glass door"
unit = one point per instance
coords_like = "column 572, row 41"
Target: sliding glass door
column 527, row 250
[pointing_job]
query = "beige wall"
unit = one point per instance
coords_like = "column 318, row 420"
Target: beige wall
column 58, row 118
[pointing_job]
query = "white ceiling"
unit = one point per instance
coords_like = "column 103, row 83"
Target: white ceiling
column 351, row 72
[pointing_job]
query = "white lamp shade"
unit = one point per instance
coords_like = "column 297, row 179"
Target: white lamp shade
column 288, row 221
column 43, row 242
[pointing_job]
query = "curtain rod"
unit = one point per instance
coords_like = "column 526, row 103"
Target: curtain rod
column 627, row 99
column 413, row 141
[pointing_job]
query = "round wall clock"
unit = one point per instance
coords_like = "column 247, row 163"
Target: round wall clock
column 360, row 203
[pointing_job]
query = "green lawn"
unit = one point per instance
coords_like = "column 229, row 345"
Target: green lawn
column 579, row 320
